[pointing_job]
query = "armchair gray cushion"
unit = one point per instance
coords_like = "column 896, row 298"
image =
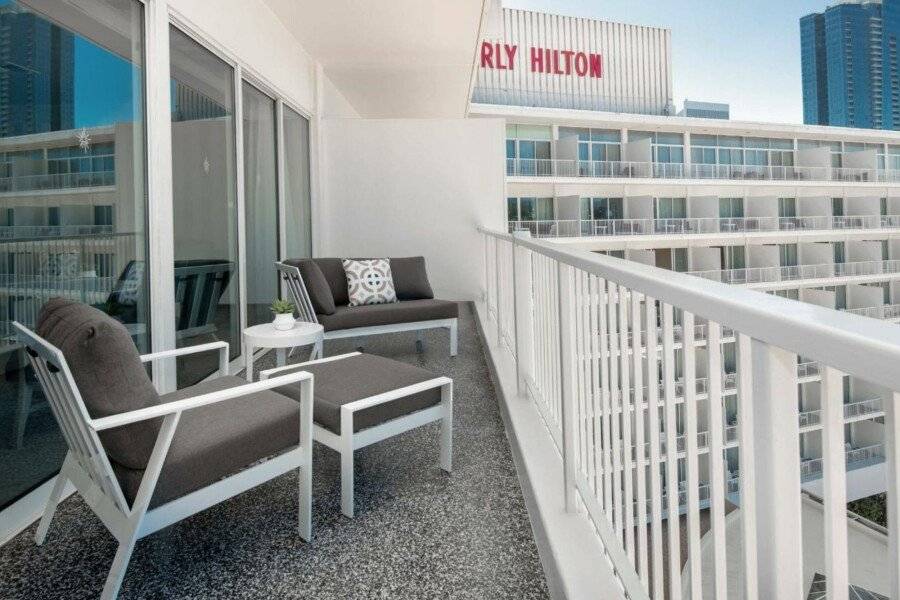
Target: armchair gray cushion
column 411, row 278
column 317, row 286
column 340, row 382
column 107, row 369
column 218, row 440
column 408, row 311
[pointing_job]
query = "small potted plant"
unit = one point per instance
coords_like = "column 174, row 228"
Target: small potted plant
column 284, row 314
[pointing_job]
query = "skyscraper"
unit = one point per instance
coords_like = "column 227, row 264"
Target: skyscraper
column 37, row 74
column 849, row 64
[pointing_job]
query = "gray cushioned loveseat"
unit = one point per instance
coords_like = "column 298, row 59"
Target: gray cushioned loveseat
column 319, row 289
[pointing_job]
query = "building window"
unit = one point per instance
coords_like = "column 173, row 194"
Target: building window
column 731, row 208
column 601, row 208
column 670, row 208
column 787, row 208
column 71, row 100
column 787, row 255
column 298, row 208
column 530, row 209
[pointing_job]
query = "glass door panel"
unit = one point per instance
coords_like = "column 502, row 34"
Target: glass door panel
column 298, row 211
column 72, row 172
column 204, row 204
column 260, row 202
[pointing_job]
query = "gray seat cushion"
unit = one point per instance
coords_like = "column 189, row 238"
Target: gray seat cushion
column 411, row 278
column 340, row 382
column 316, row 285
column 407, row 311
column 218, row 440
column 108, row 372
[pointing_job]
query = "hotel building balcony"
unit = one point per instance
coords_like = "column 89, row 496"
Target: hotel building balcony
column 561, row 168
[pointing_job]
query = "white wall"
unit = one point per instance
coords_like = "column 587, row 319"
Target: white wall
column 410, row 187
column 249, row 30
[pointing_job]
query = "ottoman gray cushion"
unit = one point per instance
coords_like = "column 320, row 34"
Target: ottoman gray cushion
column 346, row 380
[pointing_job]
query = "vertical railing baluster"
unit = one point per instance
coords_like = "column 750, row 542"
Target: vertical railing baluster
column 568, row 376
column 606, row 391
column 892, row 460
column 672, row 483
column 834, row 484
column 692, row 463
column 746, row 428
column 639, row 446
column 613, row 299
column 716, row 460
column 596, row 399
column 625, row 379
column 579, row 370
column 656, row 505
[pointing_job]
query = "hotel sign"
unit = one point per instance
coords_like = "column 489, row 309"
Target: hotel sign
column 542, row 60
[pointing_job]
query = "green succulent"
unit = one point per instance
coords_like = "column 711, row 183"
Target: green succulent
column 282, row 307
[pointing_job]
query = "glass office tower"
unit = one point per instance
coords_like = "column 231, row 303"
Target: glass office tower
column 849, row 64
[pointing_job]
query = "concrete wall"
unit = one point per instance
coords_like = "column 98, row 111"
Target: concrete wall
column 864, row 296
column 817, row 206
column 390, row 191
column 701, row 207
column 869, row 205
column 863, row 250
column 762, row 256
column 568, row 208
column 706, row 259
column 761, row 206
column 818, row 297
column 815, row 253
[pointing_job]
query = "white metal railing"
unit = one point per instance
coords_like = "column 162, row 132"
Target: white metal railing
column 585, row 334
column 555, row 167
column 57, row 181
column 699, row 225
column 856, row 458
column 799, row 272
column 884, row 311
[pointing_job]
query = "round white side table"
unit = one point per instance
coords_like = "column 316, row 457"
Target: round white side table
column 266, row 336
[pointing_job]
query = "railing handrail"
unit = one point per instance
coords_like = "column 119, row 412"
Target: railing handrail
column 850, row 343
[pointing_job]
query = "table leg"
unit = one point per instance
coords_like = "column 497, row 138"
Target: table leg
column 248, row 361
column 280, row 356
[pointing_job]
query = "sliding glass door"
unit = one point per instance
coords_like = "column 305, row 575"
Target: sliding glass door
column 72, row 198
column 207, row 300
column 298, row 214
column 260, row 202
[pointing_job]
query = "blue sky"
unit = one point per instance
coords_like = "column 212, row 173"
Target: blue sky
column 103, row 86
column 744, row 52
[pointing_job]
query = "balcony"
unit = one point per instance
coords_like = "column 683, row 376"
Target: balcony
column 876, row 269
column 563, row 168
column 57, row 181
column 568, row 331
column 888, row 312
column 470, row 532
column 701, row 226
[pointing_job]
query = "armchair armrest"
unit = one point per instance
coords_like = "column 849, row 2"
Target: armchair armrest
column 222, row 347
column 395, row 394
column 179, row 406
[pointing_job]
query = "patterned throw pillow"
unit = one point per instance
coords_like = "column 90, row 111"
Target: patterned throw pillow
column 369, row 281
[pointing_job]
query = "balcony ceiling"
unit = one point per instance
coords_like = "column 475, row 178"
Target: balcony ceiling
column 391, row 58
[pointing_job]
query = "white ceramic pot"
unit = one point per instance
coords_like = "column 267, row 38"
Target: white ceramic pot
column 283, row 321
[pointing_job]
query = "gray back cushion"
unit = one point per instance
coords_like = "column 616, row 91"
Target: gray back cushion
column 316, row 285
column 411, row 278
column 107, row 369
column 333, row 270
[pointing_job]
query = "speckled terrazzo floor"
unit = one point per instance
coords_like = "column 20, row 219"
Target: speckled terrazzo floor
column 418, row 532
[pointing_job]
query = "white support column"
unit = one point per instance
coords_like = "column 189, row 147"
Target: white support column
column 777, row 457
column 160, row 220
column 834, row 484
column 568, row 377
column 892, row 458
column 524, row 322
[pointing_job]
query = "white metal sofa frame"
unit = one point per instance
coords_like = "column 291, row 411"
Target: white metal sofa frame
column 349, row 441
column 88, row 468
column 294, row 282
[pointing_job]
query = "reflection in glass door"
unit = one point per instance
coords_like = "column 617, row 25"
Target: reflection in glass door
column 260, row 202
column 72, row 210
column 298, row 214
column 204, row 206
